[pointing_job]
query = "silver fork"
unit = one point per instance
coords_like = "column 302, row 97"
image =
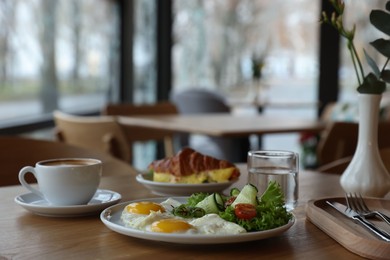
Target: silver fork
column 356, row 202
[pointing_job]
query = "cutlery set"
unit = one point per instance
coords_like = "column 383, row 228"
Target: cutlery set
column 358, row 211
column 356, row 202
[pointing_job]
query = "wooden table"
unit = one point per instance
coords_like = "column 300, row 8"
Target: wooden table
column 27, row 236
column 226, row 125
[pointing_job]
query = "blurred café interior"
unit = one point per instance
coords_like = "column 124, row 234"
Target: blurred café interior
column 130, row 82
column 76, row 61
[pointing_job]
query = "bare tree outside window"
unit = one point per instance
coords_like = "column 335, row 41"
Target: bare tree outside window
column 56, row 54
column 6, row 52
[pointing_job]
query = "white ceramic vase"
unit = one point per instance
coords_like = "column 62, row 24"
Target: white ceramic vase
column 366, row 173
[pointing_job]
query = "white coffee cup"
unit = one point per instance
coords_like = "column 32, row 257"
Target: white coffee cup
column 65, row 181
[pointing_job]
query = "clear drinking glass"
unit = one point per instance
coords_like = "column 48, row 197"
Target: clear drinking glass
column 279, row 166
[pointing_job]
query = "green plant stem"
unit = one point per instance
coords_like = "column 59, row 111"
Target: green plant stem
column 355, row 58
column 354, row 65
column 385, row 65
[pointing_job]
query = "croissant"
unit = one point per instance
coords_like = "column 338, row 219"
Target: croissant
column 190, row 166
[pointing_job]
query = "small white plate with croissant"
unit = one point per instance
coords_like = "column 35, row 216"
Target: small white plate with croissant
column 179, row 189
column 188, row 172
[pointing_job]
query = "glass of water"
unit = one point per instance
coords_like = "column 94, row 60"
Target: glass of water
column 279, row 166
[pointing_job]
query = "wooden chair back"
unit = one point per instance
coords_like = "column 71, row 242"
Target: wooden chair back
column 140, row 134
column 101, row 133
column 338, row 166
column 17, row 152
column 339, row 140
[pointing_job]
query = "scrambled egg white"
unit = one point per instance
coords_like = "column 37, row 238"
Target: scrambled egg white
column 155, row 217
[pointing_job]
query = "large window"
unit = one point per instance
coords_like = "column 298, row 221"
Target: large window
column 65, row 54
column 56, row 54
column 217, row 43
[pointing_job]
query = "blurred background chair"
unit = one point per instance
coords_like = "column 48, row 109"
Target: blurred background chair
column 100, row 133
column 338, row 140
column 338, row 166
column 139, row 134
column 17, row 152
column 198, row 101
column 338, row 143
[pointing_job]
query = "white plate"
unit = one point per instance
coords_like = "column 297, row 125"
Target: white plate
column 111, row 218
column 180, row 189
column 101, row 200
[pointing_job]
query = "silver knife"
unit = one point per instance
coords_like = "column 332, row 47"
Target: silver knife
column 355, row 216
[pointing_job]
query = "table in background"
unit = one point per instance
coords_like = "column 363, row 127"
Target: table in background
column 27, row 236
column 225, row 125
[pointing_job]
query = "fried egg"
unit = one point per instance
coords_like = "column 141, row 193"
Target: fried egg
column 144, row 207
column 141, row 215
column 213, row 224
column 157, row 217
column 172, row 225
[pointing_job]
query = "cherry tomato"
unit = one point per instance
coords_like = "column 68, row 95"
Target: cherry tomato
column 245, row 211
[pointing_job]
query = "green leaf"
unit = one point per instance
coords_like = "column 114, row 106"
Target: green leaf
column 383, row 46
column 196, row 198
column 385, row 75
column 273, row 194
column 380, row 19
column 271, row 212
column 372, row 64
column 372, row 85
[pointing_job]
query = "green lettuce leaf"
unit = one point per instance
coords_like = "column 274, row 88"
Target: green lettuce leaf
column 271, row 211
column 195, row 198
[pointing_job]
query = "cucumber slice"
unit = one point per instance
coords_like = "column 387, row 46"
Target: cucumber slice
column 248, row 194
column 220, row 202
column 209, row 204
column 234, row 192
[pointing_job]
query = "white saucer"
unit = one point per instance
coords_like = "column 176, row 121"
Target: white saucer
column 101, row 200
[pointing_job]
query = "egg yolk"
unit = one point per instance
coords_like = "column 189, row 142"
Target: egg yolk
column 144, row 207
column 170, row 226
